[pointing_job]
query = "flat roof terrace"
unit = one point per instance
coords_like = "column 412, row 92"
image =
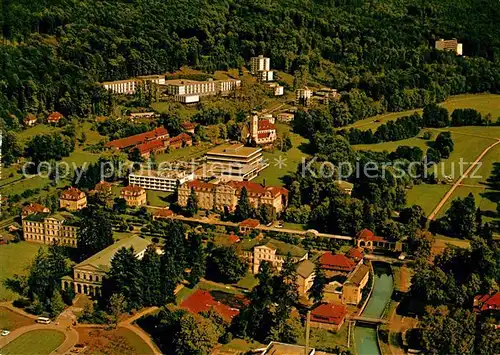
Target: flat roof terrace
column 235, row 150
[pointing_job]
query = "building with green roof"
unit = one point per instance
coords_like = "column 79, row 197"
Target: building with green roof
column 88, row 275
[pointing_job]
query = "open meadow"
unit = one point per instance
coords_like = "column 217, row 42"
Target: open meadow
column 15, row 258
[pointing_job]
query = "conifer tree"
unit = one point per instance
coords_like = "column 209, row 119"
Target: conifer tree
column 151, row 278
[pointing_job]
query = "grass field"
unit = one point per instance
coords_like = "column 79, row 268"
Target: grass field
column 484, row 103
column 157, row 198
column 15, row 257
column 186, row 153
column 274, row 174
column 483, row 197
column 118, row 341
column 11, row 320
column 426, row 196
column 36, row 342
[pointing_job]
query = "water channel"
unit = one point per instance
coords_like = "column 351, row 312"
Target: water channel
column 365, row 337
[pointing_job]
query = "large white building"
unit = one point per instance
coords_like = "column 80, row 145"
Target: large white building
column 129, row 86
column 183, row 87
column 160, row 180
column 261, row 68
column 234, row 162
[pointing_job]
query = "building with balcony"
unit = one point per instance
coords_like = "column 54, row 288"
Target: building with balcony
column 129, row 86
column 43, row 228
column 166, row 180
column 193, row 89
column 135, row 196
column 72, row 199
column 235, row 162
column 89, row 274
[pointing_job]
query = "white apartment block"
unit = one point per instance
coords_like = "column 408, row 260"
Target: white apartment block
column 260, row 63
column 303, row 96
column 184, row 87
column 234, row 162
column 167, row 180
column 129, row 86
column 187, row 99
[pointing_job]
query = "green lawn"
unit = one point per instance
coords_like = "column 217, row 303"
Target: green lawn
column 426, row 196
column 322, row 338
column 484, row 103
column 183, row 293
column 26, row 134
column 186, row 153
column 483, row 197
column 15, row 257
column 248, row 281
column 134, row 341
column 241, row 346
column 10, row 320
column 157, row 198
column 36, row 342
column 274, row 174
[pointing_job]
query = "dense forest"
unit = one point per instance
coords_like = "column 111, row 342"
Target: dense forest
column 54, row 52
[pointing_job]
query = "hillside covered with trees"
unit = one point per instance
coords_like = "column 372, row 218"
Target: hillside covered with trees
column 53, row 52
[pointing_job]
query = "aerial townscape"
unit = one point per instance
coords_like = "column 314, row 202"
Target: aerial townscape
column 250, row 177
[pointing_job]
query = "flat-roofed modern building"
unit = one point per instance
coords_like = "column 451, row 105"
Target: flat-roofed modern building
column 193, row 88
column 129, row 86
column 43, row 228
column 160, row 180
column 88, row 275
column 260, row 63
column 235, row 162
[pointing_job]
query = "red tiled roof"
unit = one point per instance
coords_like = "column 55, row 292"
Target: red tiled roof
column 367, row 234
column 157, row 133
column 164, row 213
column 54, row 117
column 487, row 302
column 184, row 137
column 102, row 186
column 34, row 208
column 198, row 184
column 329, row 313
column 203, row 301
column 263, row 135
column 151, row 146
column 233, row 238
column 338, row 262
column 188, row 125
column 355, row 253
column 72, row 194
column 132, row 190
column 249, row 222
column 265, row 125
column 257, row 189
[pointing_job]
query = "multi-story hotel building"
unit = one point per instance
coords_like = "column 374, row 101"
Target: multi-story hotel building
column 129, row 86
column 235, row 162
column 185, row 87
column 89, row 274
column 160, row 180
column 261, row 68
column 48, row 229
column 135, row 196
column 225, row 195
column 449, row 45
column 72, row 199
column 275, row 252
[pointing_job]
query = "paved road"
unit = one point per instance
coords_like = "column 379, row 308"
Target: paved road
column 441, row 203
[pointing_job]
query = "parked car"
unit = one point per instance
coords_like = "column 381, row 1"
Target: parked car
column 5, row 332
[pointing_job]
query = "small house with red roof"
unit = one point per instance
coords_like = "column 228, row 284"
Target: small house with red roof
column 29, row 120
column 135, row 196
column 181, row 140
column 203, row 301
column 188, row 127
column 163, row 213
column 103, row 187
column 328, row 316
column 262, row 131
column 54, row 117
column 33, row 208
column 248, row 225
column 72, row 199
column 334, row 264
column 368, row 240
column 355, row 254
